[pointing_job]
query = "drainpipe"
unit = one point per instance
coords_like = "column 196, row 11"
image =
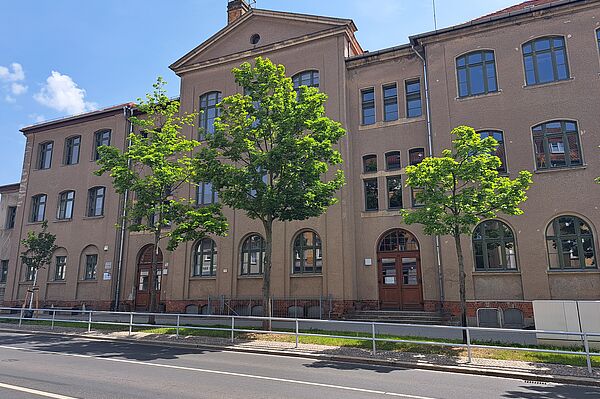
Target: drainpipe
column 420, row 52
column 126, row 110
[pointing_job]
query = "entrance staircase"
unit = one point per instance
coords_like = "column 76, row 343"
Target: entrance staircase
column 401, row 317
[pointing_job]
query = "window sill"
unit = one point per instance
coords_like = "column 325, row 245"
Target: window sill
column 252, row 277
column 573, row 271
column 565, row 169
column 497, row 273
column 382, row 124
column 88, row 281
column 382, row 213
column 93, row 217
column 62, row 220
column 33, row 223
column 384, row 173
column 306, row 275
column 479, row 96
column 203, row 278
column 57, row 282
column 70, row 164
column 554, row 83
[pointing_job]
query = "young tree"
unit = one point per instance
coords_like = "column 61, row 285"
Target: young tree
column 39, row 247
column 461, row 188
column 156, row 164
column 271, row 152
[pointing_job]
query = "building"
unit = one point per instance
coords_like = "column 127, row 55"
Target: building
column 8, row 213
column 527, row 75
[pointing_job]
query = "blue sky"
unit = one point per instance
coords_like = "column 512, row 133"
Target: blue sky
column 63, row 57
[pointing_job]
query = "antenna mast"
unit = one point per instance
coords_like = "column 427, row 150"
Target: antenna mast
column 434, row 16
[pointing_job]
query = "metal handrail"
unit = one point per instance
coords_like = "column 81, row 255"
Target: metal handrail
column 231, row 319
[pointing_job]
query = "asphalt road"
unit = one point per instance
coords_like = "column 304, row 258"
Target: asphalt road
column 40, row 366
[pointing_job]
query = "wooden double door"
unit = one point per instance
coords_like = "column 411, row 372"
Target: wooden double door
column 400, row 286
column 143, row 282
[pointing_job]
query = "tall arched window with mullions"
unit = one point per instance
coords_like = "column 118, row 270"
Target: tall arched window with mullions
column 545, row 60
column 306, row 78
column 208, row 113
column 476, row 73
column 308, row 256
column 557, row 145
column 205, row 259
column 570, row 244
column 494, row 246
column 253, row 255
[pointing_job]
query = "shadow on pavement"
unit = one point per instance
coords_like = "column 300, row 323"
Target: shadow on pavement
column 553, row 392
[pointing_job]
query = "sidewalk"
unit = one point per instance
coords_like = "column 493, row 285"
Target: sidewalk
column 502, row 368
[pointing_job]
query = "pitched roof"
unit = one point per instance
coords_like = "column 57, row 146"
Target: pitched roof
column 526, row 5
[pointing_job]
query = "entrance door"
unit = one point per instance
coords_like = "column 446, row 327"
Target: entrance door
column 399, row 268
column 142, row 296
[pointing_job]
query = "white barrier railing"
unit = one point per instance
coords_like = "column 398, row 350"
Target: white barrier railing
column 87, row 318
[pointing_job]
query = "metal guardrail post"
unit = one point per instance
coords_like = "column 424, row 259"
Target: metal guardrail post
column 297, row 332
column 53, row 317
column 232, row 328
column 588, row 359
column 177, row 329
column 130, row 323
column 21, row 317
column 469, row 354
column 373, row 339
column 90, row 322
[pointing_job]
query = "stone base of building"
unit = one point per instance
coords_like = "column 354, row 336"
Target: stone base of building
column 76, row 305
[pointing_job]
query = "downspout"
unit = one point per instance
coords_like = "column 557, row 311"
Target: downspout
column 123, row 227
column 420, row 52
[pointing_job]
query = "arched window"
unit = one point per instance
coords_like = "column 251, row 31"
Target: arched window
column 570, row 244
column 71, row 153
column 66, row 200
column 392, row 160
column 308, row 256
column 205, row 258
column 500, row 150
column 38, row 208
column 306, row 78
column 545, row 60
column 398, row 241
column 253, row 254
column 95, row 206
column 369, row 163
column 45, row 155
column 556, row 145
column 102, row 138
column 494, row 246
column 476, row 72
column 416, row 155
column 209, row 111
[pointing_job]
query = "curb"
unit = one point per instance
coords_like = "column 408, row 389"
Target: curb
column 558, row 379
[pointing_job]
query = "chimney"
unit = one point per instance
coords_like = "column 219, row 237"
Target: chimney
column 235, row 9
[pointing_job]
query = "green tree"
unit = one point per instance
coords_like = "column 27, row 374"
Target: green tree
column 156, row 166
column 461, row 188
column 271, row 153
column 39, row 247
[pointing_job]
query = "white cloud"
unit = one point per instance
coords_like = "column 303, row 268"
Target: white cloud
column 37, row 118
column 10, row 99
column 62, row 94
column 16, row 75
column 17, row 88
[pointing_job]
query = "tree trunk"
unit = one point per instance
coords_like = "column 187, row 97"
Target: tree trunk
column 152, row 278
column 461, row 283
column 266, row 290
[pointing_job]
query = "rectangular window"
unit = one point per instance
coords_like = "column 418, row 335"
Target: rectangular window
column 371, row 195
column 205, row 194
column 415, row 156
column 368, row 106
column 61, row 268
column 102, row 139
column 500, row 150
column 31, row 272
column 96, row 201
column 38, row 208
column 45, row 155
column 415, row 191
column 394, row 190
column 72, row 145
column 413, row 99
column 370, row 163
column 3, row 270
column 91, row 261
column 11, row 216
column 390, row 102
column 65, row 205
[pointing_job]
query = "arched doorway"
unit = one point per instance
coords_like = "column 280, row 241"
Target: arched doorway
column 399, row 271
column 142, row 295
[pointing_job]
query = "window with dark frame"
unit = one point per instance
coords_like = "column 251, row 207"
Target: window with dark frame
column 96, row 197
column 415, row 156
column 570, row 244
column 392, row 160
column 557, row 145
column 3, row 270
column 308, row 256
column 370, row 163
column 209, row 112
column 72, row 147
column 494, row 246
column 545, row 60
column 306, row 78
column 390, row 102
column 414, row 108
column 102, row 138
column 394, row 191
column 45, row 155
column 415, row 194
column 60, row 268
column 252, row 256
column 205, row 259
column 500, row 150
column 30, row 273
column 476, row 73
column 66, row 201
column 205, row 195
column 11, row 217
column 371, row 195
column 367, row 106
column 38, row 208
column 91, row 263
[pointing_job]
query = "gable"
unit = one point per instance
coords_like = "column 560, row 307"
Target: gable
column 273, row 27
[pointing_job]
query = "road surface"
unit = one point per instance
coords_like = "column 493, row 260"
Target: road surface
column 40, row 366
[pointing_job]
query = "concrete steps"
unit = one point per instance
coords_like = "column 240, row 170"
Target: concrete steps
column 400, row 317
